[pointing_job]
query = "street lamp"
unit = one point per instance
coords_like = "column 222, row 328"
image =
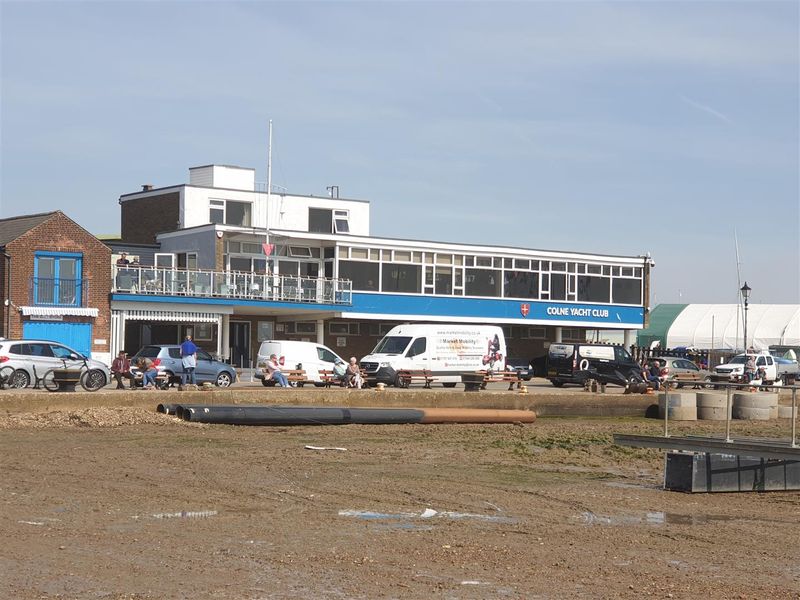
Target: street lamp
column 746, row 296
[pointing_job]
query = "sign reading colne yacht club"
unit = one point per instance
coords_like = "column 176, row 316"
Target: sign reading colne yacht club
column 572, row 311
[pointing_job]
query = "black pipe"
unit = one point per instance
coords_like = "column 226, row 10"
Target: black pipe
column 168, row 409
column 297, row 415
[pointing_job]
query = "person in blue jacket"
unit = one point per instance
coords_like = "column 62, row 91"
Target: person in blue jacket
column 189, row 361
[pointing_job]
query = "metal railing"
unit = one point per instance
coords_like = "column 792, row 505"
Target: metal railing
column 730, row 389
column 230, row 284
column 49, row 291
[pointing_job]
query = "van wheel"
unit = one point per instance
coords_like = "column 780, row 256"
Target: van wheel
column 557, row 382
column 400, row 382
column 266, row 382
column 449, row 384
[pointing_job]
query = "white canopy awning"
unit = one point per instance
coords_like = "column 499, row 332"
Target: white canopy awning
column 172, row 315
column 58, row 311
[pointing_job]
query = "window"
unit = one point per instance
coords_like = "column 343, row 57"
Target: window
column 186, row 260
column 593, row 289
column 299, row 252
column 203, row 332
column 320, row 220
column 341, row 221
column 418, row 347
column 627, row 291
column 300, row 327
column 482, row 282
column 621, row 354
column 57, row 278
column 521, row 284
column 265, row 330
column 558, row 286
column 364, row 275
column 444, row 281
column 401, row 278
column 165, row 261
column 229, row 212
column 325, row 355
column 343, row 328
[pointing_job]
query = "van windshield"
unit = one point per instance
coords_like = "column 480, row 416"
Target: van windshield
column 392, row 345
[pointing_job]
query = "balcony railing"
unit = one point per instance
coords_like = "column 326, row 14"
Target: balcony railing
column 231, row 284
column 47, row 291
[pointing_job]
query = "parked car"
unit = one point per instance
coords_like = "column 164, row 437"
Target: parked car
column 522, row 366
column 167, row 359
column 678, row 365
column 575, row 363
column 31, row 359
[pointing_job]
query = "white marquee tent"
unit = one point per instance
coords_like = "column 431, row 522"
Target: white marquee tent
column 721, row 326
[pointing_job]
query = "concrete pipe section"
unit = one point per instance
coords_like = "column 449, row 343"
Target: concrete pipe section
column 682, row 406
column 757, row 406
column 711, row 406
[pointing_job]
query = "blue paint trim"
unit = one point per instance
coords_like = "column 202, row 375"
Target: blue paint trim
column 57, row 275
column 56, row 254
column 540, row 312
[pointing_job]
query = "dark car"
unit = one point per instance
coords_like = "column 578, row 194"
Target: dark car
column 167, row 359
column 522, row 366
column 575, row 363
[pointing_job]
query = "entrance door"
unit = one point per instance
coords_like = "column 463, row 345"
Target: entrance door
column 240, row 343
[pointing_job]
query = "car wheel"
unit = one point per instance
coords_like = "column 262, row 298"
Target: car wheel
column 224, row 379
column 557, row 382
column 20, row 379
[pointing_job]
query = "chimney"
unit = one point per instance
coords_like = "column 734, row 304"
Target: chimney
column 147, row 187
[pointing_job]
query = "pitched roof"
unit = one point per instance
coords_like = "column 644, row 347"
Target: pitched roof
column 11, row 229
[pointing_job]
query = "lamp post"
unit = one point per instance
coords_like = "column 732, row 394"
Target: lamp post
column 745, row 296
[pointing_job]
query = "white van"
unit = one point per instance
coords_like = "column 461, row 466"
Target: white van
column 297, row 355
column 445, row 350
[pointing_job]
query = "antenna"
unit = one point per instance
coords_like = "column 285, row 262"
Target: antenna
column 269, row 195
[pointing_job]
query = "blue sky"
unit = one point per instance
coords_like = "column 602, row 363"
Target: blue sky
column 607, row 127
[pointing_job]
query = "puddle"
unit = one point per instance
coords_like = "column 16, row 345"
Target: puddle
column 428, row 513
column 655, row 519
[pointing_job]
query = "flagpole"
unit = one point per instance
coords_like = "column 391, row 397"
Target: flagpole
column 269, row 193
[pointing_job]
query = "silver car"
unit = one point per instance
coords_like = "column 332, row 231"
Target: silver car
column 25, row 362
column 683, row 366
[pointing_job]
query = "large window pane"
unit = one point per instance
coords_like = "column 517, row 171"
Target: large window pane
column 593, row 289
column 364, row 275
column 320, row 220
column 401, row 278
column 444, row 281
column 482, row 282
column 237, row 213
column 627, row 291
column 558, row 286
column 521, row 284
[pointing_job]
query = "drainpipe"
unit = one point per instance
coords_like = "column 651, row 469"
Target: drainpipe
column 7, row 331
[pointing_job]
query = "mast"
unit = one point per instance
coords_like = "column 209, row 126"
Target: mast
column 269, row 193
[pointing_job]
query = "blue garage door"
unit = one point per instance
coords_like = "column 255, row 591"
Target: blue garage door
column 75, row 335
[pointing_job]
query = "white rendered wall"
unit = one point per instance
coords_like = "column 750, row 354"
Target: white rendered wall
column 286, row 212
column 223, row 176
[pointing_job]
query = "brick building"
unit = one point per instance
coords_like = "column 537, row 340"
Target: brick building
column 56, row 282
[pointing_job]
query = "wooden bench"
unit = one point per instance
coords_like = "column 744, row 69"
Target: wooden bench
column 163, row 380
column 678, row 380
column 330, row 378
column 406, row 377
column 296, row 376
column 510, row 377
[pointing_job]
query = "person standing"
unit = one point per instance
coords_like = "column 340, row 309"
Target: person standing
column 189, row 361
column 121, row 367
column 274, row 371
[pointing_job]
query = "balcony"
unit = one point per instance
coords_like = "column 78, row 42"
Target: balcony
column 230, row 284
column 47, row 291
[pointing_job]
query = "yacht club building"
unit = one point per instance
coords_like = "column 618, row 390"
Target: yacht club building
column 237, row 265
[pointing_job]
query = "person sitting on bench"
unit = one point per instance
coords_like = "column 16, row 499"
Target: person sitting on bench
column 121, row 367
column 654, row 374
column 149, row 372
column 274, row 371
column 354, row 379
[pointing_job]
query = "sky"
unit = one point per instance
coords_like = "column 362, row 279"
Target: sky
column 605, row 127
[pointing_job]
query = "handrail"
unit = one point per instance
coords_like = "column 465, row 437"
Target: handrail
column 55, row 291
column 730, row 386
column 244, row 285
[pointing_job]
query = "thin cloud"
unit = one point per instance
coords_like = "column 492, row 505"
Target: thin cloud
column 706, row 109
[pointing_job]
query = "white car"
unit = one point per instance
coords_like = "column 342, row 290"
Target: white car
column 25, row 362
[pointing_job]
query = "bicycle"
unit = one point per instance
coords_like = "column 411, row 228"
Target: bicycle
column 89, row 379
column 7, row 377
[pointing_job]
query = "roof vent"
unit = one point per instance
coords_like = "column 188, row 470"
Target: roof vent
column 147, row 187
